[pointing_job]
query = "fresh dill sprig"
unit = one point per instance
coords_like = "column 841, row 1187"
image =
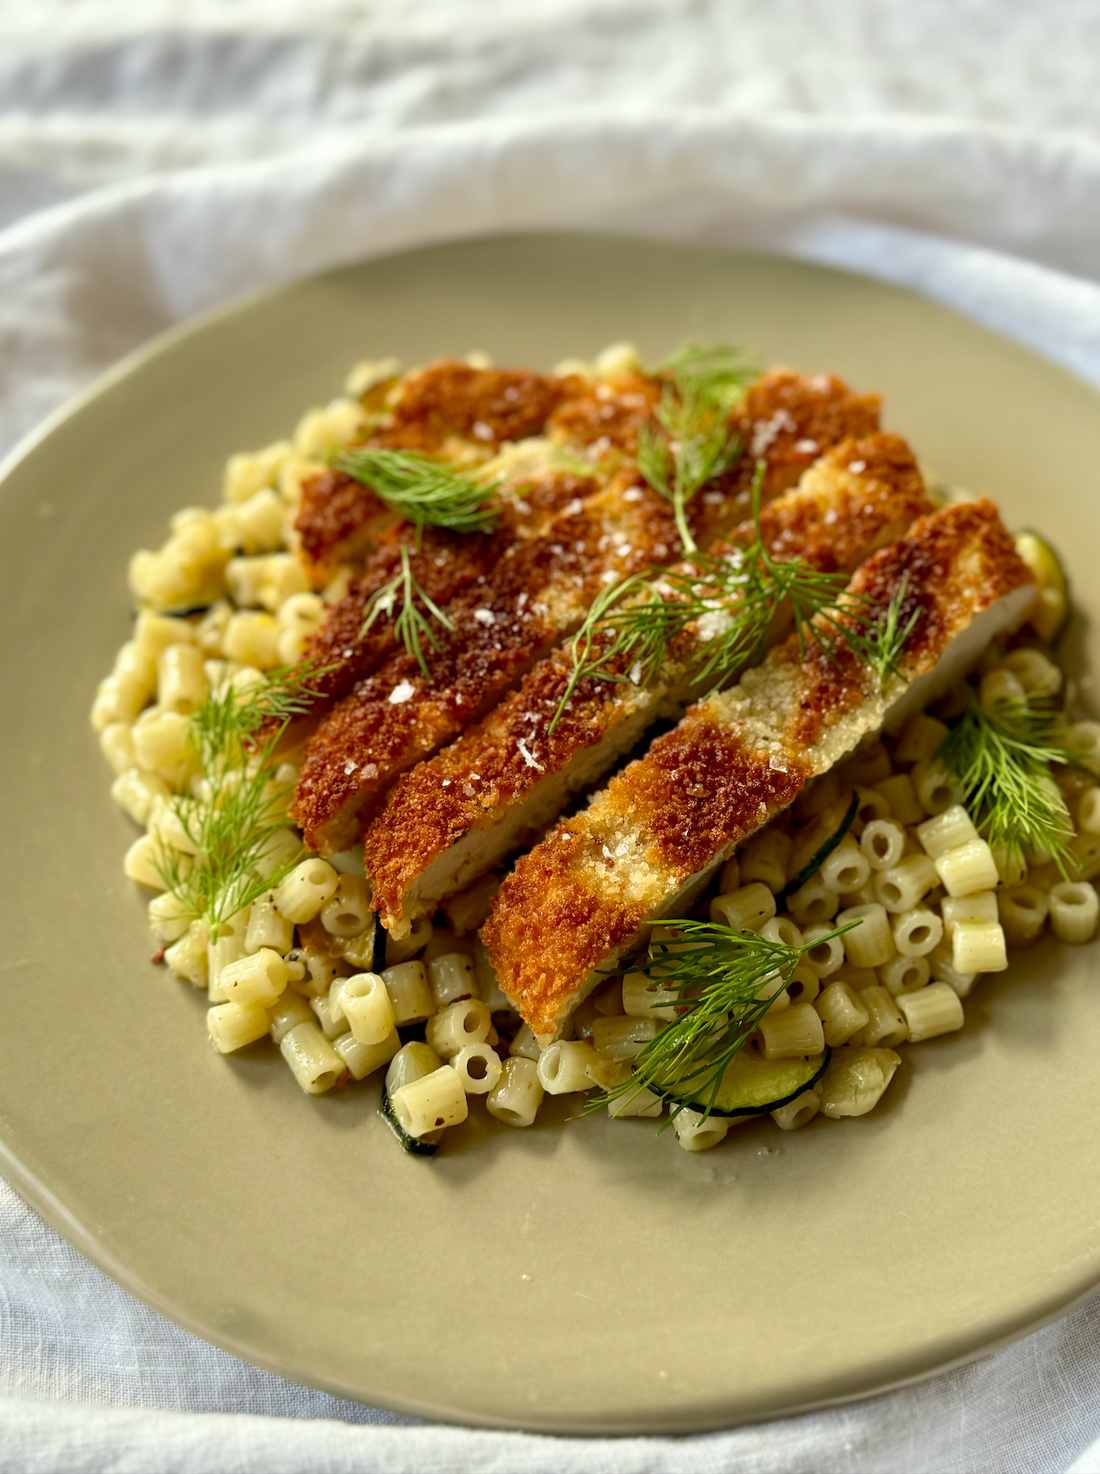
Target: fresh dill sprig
column 694, row 409
column 743, row 592
column 721, row 982
column 233, row 829
column 616, row 632
column 1002, row 759
column 411, row 626
column 425, row 490
column 876, row 640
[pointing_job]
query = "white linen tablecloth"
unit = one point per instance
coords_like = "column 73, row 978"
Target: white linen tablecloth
column 160, row 158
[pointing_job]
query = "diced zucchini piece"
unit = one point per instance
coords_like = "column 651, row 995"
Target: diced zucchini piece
column 416, row 1146
column 752, row 1085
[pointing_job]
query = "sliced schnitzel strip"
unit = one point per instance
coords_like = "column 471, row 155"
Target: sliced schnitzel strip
column 537, row 595
column 449, row 820
column 786, row 416
column 649, row 843
column 447, row 409
column 444, row 564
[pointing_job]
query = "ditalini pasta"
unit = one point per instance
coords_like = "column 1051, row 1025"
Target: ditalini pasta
column 361, row 690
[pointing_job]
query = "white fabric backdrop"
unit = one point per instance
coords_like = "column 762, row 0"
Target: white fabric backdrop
column 159, row 158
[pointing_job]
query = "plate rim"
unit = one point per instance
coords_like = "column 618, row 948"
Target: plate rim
column 41, row 1198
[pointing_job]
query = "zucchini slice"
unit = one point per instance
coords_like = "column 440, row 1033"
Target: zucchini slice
column 752, row 1085
column 815, row 842
column 414, row 1145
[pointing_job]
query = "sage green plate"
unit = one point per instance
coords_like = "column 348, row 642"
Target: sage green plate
column 587, row 1278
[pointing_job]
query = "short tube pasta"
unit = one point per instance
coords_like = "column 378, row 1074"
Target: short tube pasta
column 936, row 788
column 305, row 890
column 920, row 739
column 900, row 794
column 515, row 1099
column 451, row 977
column 286, row 1013
column 1036, row 672
column 233, row 1025
column 847, row 868
column 313, row 1062
column 563, row 1067
column 792, row 1031
column 188, row 957
column 642, row 998
column 917, row 932
column 1022, row 911
column 871, row 943
column 941, row 960
column 981, row 906
column 347, row 912
column 797, row 1112
column 746, row 909
column 117, row 746
column 258, row 978
column 782, row 930
column 1088, row 812
column 824, row 957
column 467, row 1022
column 625, row 1037
column 871, row 804
column 967, row 868
column 813, row 902
column 268, row 927
column 934, row 1010
column 407, row 985
column 886, row 1026
column 698, row 1133
column 883, row 843
column 904, row 885
column 804, row 985
column 978, row 946
column 435, row 1101
column 1074, row 910
column 478, row 1067
column 905, row 974
column 1085, row 737
column 366, row 1059
column 366, row 1005
column 181, row 679
column 840, row 1011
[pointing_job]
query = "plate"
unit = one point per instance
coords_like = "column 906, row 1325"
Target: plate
column 587, row 1279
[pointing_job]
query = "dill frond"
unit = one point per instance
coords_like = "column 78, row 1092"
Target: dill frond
column 703, row 386
column 235, row 829
column 410, row 625
column 635, row 620
column 1003, row 760
column 618, row 629
column 723, row 982
column 425, row 490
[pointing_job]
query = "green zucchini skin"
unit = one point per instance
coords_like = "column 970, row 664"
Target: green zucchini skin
column 378, row 945
column 815, row 1067
column 412, row 1144
column 819, row 857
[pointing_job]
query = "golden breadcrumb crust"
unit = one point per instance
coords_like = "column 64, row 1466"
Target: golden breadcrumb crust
column 537, row 593
column 735, row 760
column 834, row 519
